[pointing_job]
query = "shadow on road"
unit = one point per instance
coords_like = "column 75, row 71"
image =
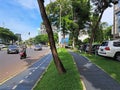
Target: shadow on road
column 29, row 61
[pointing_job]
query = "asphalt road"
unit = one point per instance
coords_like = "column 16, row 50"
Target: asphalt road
column 27, row 79
column 11, row 64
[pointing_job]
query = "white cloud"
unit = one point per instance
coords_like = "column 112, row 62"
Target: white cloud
column 30, row 4
column 48, row 1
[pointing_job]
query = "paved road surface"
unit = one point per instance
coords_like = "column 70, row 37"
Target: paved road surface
column 10, row 64
column 27, row 79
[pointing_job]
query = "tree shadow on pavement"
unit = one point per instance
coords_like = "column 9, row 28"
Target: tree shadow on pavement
column 30, row 61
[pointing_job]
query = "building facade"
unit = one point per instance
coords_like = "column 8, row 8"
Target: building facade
column 42, row 29
column 116, row 20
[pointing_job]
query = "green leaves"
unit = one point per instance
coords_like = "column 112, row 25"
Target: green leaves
column 6, row 34
column 44, row 38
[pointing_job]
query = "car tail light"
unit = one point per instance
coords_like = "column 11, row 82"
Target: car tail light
column 107, row 48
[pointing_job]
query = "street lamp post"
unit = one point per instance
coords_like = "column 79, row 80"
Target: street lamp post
column 114, row 22
column 59, row 32
column 60, row 17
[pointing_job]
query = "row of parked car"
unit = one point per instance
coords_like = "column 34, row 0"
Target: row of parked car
column 110, row 48
column 86, row 47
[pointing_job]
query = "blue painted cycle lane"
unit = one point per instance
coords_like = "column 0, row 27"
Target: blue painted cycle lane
column 27, row 79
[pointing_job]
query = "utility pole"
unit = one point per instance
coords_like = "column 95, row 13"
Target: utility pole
column 114, row 22
column 59, row 32
column 60, row 17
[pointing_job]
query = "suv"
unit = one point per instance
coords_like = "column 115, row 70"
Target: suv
column 110, row 49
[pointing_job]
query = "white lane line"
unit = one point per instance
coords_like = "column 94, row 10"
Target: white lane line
column 26, row 76
column 14, row 87
column 21, row 81
column 33, row 70
column 30, row 73
column 36, row 68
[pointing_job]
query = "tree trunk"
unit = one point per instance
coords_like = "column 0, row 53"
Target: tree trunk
column 73, row 43
column 56, row 59
column 94, row 30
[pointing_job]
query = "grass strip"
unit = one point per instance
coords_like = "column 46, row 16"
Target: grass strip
column 52, row 80
column 109, row 65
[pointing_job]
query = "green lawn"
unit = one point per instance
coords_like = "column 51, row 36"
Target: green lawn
column 51, row 80
column 112, row 67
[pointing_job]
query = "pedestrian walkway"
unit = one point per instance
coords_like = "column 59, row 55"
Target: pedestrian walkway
column 93, row 77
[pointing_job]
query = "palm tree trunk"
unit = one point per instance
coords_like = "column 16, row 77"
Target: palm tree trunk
column 56, row 59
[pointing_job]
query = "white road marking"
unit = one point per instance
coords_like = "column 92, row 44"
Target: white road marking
column 30, row 73
column 36, row 68
column 14, row 87
column 26, row 76
column 21, row 81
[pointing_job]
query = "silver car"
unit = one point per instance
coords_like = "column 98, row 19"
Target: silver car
column 37, row 47
column 12, row 49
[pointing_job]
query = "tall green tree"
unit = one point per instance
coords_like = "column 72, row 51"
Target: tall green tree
column 44, row 38
column 46, row 21
column 99, row 7
column 59, row 13
column 65, row 13
column 6, row 35
column 81, row 13
column 107, row 33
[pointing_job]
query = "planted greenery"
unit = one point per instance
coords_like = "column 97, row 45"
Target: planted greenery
column 52, row 80
column 109, row 65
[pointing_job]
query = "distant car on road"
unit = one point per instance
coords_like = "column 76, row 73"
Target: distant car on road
column 37, row 47
column 2, row 46
column 12, row 49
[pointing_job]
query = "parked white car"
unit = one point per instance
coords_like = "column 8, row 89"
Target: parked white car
column 110, row 49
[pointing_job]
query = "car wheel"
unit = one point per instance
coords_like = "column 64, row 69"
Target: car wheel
column 117, row 56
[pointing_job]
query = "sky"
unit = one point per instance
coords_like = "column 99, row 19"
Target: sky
column 23, row 16
column 108, row 16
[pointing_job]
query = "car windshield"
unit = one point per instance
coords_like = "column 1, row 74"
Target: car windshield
column 104, row 44
column 12, row 46
column 37, row 46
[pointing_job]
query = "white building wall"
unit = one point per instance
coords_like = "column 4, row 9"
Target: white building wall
column 117, row 19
